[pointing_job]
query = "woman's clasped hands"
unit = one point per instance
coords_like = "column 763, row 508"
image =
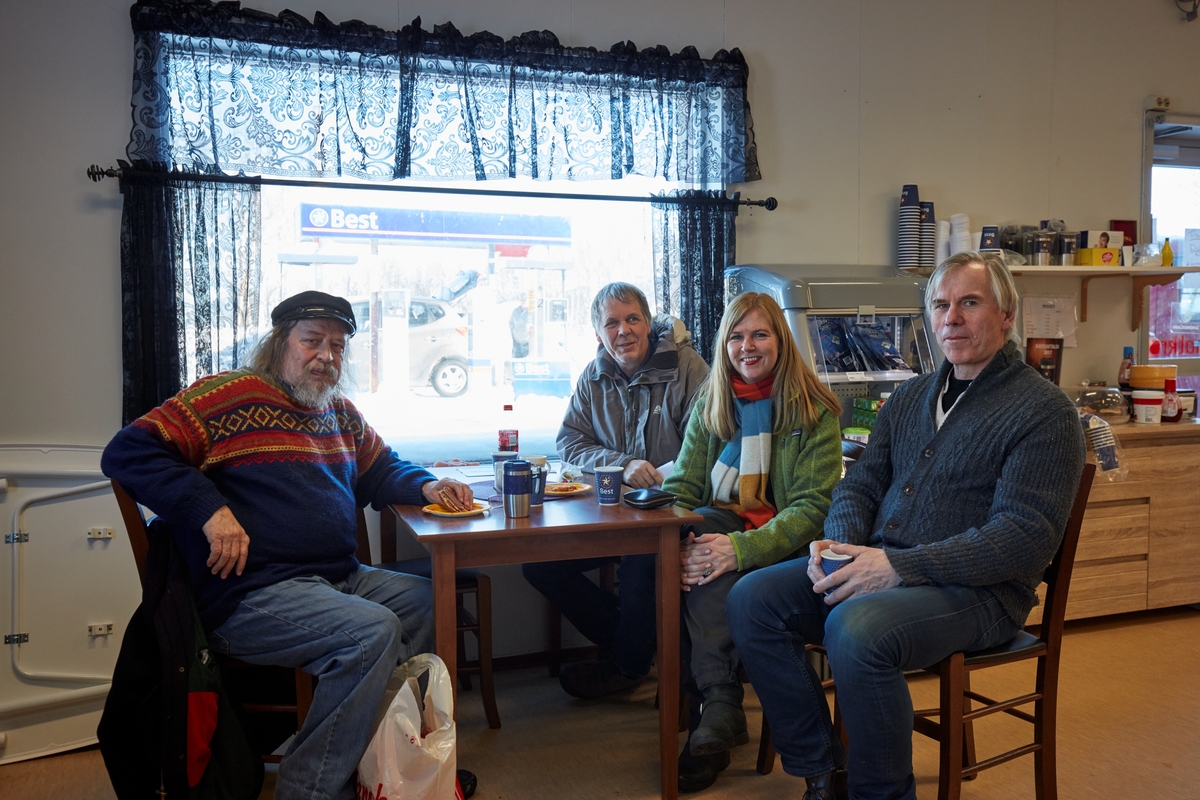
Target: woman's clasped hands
column 704, row 558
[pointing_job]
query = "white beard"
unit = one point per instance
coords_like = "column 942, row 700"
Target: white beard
column 316, row 393
column 317, row 398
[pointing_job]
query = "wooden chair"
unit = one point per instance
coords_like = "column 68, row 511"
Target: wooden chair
column 954, row 728
column 302, row 682
column 467, row 581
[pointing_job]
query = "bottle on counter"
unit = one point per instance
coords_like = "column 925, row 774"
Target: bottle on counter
column 507, row 439
column 1172, row 408
column 1126, row 366
column 1168, row 255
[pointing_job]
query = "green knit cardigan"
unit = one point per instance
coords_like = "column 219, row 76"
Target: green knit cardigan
column 804, row 469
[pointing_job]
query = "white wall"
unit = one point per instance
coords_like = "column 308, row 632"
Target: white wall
column 1011, row 110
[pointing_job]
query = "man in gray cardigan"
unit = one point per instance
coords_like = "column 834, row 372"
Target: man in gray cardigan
column 951, row 515
column 630, row 409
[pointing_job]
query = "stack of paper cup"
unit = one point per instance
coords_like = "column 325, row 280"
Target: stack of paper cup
column 943, row 240
column 960, row 234
column 908, row 239
column 928, row 237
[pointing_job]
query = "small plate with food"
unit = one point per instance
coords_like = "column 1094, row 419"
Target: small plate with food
column 566, row 489
column 439, row 510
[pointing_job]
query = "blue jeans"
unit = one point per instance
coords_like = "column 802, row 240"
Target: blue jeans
column 871, row 640
column 351, row 635
column 627, row 627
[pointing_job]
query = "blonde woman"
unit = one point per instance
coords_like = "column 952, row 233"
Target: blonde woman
column 759, row 461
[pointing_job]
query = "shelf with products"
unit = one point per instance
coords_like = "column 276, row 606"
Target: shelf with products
column 1140, row 278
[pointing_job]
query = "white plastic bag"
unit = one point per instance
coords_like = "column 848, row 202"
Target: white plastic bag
column 411, row 756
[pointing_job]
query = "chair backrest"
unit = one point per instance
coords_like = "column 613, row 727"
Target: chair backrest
column 1058, row 574
column 135, row 526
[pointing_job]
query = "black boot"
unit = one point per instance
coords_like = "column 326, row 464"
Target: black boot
column 699, row 772
column 591, row 679
column 722, row 721
column 830, row 786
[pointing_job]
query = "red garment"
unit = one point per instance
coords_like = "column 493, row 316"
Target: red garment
column 752, row 391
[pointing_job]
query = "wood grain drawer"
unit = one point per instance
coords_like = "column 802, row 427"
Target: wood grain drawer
column 1114, row 529
column 1099, row 588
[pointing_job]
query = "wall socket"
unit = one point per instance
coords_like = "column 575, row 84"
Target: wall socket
column 1158, row 102
column 103, row 629
column 100, row 533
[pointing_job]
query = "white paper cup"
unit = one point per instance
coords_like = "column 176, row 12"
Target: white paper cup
column 498, row 459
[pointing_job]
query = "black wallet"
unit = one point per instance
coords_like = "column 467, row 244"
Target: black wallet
column 649, row 498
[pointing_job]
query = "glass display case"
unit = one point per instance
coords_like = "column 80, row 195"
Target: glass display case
column 861, row 328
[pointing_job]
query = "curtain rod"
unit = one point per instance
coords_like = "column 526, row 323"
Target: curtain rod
column 97, row 174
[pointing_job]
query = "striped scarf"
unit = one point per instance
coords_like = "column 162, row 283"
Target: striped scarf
column 745, row 463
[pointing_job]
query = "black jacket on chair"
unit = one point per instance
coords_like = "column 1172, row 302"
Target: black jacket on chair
column 167, row 723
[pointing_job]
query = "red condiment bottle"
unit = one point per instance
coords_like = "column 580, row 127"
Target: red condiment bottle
column 1172, row 409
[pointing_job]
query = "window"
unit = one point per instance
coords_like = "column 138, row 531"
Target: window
column 1173, row 329
column 464, row 303
column 462, row 299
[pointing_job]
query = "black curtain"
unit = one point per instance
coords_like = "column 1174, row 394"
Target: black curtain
column 151, row 339
column 190, row 273
column 693, row 243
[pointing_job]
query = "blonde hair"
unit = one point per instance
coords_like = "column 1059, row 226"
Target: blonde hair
column 797, row 395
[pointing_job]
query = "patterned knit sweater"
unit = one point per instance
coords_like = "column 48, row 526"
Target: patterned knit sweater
column 804, row 468
column 984, row 500
column 293, row 477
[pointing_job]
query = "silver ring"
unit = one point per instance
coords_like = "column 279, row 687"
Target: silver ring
column 708, row 572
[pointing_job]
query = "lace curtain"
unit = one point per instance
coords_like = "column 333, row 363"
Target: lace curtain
column 693, row 243
column 240, row 90
column 190, row 273
column 218, row 88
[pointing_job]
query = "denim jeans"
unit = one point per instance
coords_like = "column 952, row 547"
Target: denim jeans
column 351, row 635
column 626, row 627
column 871, row 640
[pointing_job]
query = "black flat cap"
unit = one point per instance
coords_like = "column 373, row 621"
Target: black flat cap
column 315, row 305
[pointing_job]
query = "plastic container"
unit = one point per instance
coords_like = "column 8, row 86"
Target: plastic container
column 857, row 434
column 1150, row 376
column 1123, row 372
column 1168, row 255
column 1147, row 406
column 1172, row 409
column 507, row 438
column 1105, row 403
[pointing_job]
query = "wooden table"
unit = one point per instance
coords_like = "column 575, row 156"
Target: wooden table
column 576, row 527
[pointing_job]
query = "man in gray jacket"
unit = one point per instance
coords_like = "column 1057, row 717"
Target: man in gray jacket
column 951, row 516
column 630, row 409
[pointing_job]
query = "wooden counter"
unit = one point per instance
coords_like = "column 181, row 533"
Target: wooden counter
column 1140, row 543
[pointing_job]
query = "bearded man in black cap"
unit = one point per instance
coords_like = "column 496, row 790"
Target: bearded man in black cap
column 259, row 473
